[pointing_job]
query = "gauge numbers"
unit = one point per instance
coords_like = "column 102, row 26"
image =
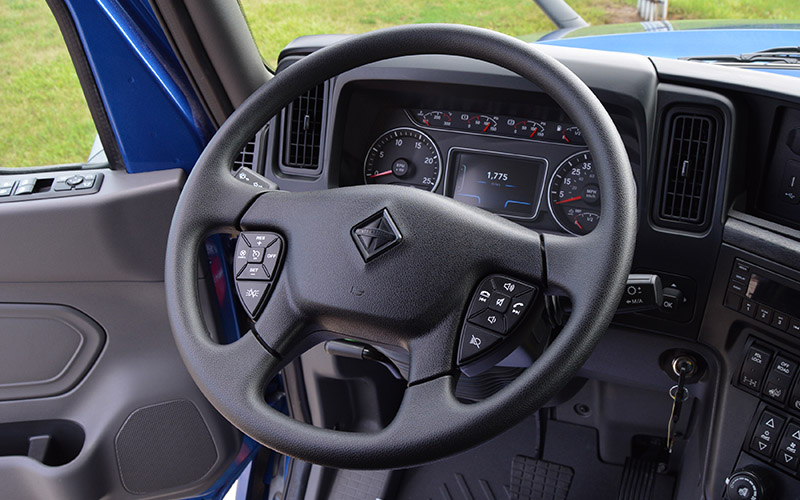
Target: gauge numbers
column 574, row 194
column 403, row 156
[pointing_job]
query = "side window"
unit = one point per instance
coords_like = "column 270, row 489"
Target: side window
column 44, row 119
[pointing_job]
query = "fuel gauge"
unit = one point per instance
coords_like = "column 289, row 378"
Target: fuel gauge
column 572, row 135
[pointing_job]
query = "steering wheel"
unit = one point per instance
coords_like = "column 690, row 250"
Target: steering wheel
column 416, row 294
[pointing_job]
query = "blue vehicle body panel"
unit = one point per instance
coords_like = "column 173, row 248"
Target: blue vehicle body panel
column 676, row 44
column 155, row 115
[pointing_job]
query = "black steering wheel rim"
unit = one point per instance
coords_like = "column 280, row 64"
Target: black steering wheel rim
column 591, row 269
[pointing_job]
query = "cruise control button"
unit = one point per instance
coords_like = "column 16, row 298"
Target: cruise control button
column 255, row 255
column 260, row 240
column 474, row 342
column 492, row 320
column 253, row 272
column 252, row 295
column 271, row 255
column 240, row 256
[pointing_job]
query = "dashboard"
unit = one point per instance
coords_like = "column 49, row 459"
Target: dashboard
column 715, row 154
column 518, row 157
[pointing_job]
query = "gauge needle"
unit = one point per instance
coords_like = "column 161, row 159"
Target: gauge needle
column 569, row 200
column 534, row 132
column 578, row 224
column 380, row 174
column 487, row 127
column 565, row 137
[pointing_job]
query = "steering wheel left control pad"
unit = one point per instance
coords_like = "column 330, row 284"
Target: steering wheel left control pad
column 256, row 263
column 496, row 309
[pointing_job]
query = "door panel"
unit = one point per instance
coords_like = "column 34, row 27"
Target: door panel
column 147, row 430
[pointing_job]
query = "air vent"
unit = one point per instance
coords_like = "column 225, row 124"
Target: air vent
column 247, row 156
column 690, row 152
column 303, row 131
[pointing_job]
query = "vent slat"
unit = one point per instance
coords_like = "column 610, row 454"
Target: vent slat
column 304, row 130
column 687, row 169
column 246, row 157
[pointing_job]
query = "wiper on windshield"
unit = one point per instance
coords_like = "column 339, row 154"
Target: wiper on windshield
column 787, row 55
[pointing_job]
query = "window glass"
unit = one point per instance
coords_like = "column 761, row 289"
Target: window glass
column 44, row 119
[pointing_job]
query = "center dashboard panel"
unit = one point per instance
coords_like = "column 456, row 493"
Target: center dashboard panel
column 516, row 154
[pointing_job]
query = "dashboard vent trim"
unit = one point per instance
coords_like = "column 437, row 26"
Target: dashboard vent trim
column 303, row 132
column 689, row 163
column 247, row 156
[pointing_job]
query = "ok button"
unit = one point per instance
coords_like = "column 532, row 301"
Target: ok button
column 491, row 320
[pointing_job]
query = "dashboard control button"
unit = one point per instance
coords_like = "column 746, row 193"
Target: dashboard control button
column 742, row 267
column 780, row 321
column 253, row 272
column 794, row 326
column 499, row 302
column 733, row 301
column 61, row 186
column 748, row 307
column 746, row 484
column 780, row 378
column 766, row 434
column 788, row 454
column 5, row 191
column 252, row 295
column 737, row 287
column 474, row 342
column 754, row 368
column 739, row 276
column 29, row 181
column 764, row 314
column 794, row 399
column 491, row 320
column 671, row 300
column 7, row 184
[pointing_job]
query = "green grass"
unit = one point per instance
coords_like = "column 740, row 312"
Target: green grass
column 44, row 118
column 43, row 114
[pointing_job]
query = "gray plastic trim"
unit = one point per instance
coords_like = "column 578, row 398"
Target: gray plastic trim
column 55, row 369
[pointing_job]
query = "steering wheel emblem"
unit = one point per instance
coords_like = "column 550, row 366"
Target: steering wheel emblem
column 375, row 235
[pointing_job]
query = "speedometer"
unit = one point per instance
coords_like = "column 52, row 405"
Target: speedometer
column 403, row 156
column 574, row 194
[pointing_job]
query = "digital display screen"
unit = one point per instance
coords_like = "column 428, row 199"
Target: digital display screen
column 772, row 294
column 507, row 185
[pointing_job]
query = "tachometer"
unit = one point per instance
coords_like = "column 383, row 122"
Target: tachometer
column 403, row 156
column 574, row 194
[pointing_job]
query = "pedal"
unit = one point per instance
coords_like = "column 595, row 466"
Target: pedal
column 638, row 479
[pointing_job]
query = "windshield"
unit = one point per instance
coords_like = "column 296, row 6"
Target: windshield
column 274, row 23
